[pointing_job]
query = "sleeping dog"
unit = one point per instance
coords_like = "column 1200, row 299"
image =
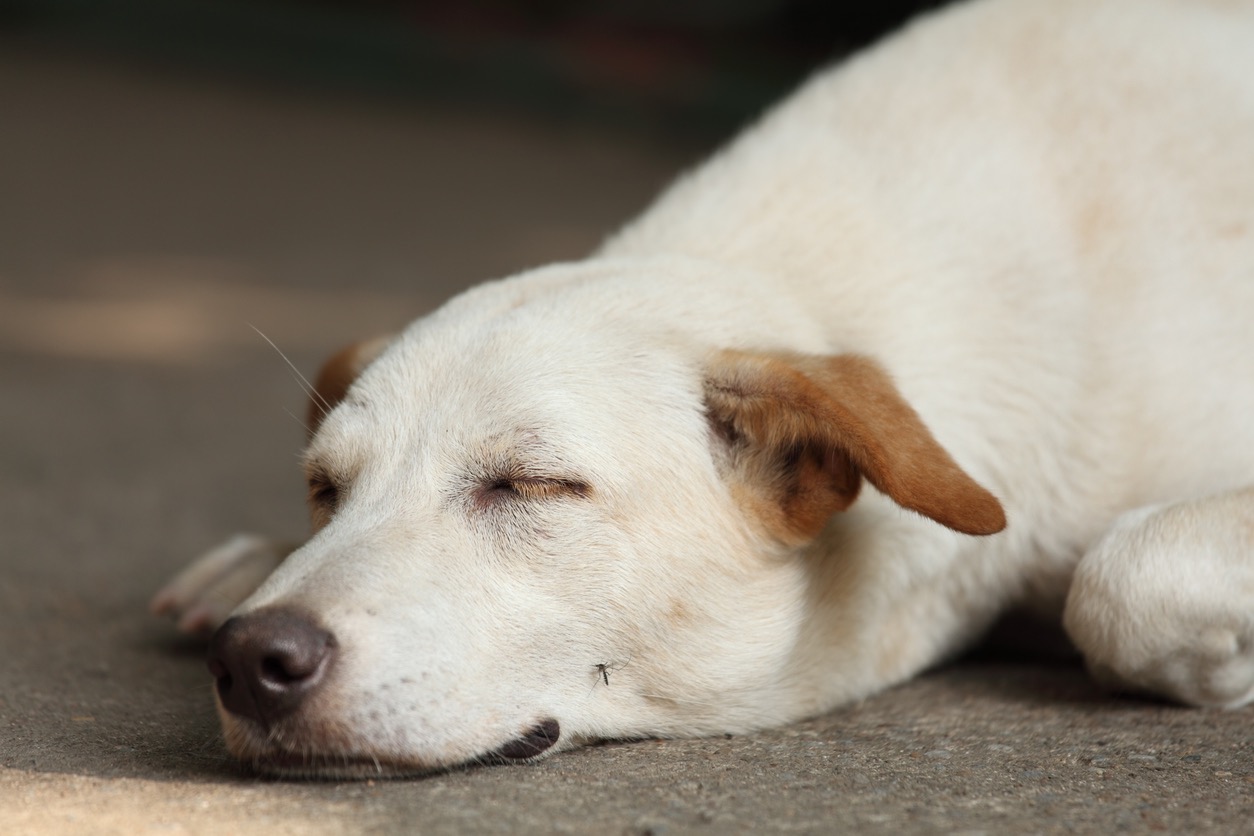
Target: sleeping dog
column 962, row 326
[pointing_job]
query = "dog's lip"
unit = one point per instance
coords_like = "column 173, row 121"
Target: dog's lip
column 329, row 759
column 282, row 762
column 330, row 766
column 535, row 741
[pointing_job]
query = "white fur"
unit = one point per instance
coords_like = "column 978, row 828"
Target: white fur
column 1037, row 215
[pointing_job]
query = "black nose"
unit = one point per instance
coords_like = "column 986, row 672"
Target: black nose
column 268, row 662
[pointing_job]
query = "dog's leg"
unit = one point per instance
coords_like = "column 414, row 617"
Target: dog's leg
column 201, row 597
column 1165, row 601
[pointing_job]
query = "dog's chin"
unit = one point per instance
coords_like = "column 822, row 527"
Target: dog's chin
column 332, row 767
column 330, row 754
column 288, row 755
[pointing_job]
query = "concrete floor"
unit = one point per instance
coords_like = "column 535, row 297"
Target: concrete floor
column 145, row 223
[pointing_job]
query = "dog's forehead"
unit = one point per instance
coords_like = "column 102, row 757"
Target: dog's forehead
column 534, row 374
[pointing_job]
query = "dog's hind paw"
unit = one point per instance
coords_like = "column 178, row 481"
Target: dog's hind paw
column 204, row 594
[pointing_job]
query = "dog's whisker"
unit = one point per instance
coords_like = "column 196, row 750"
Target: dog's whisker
column 323, row 406
column 298, row 420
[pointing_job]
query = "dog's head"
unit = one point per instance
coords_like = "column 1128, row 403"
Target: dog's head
column 545, row 515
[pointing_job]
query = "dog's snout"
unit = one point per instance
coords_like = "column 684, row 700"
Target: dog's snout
column 267, row 662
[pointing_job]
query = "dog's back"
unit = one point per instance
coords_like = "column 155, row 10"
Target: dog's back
column 1042, row 224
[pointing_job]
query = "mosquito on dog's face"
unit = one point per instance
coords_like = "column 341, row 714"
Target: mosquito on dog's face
column 604, row 669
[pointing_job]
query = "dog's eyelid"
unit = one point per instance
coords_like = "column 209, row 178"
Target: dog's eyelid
column 325, row 495
column 534, row 487
column 323, row 488
column 317, row 474
column 565, row 484
column 321, row 480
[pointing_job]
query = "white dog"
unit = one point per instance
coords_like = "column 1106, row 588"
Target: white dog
column 963, row 326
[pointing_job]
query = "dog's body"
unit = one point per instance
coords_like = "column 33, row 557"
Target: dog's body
column 1009, row 253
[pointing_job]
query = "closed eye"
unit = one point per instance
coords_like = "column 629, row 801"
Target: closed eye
column 530, row 488
column 324, row 498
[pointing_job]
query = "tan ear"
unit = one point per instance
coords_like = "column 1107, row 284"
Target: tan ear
column 802, row 431
column 337, row 374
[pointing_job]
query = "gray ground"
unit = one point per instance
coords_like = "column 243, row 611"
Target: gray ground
column 144, row 223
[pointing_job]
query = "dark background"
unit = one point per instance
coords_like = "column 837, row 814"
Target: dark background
column 681, row 67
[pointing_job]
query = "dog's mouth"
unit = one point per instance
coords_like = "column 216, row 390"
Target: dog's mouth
column 292, row 761
column 538, row 740
column 318, row 766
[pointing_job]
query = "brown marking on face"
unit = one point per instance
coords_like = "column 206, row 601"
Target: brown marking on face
column 337, row 375
column 1234, row 229
column 803, row 430
column 1094, row 221
column 678, row 615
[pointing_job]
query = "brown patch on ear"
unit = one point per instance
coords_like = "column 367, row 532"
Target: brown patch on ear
column 803, row 430
column 337, row 374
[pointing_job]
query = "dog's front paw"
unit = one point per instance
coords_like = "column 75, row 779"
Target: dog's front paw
column 1214, row 668
column 1165, row 603
column 203, row 595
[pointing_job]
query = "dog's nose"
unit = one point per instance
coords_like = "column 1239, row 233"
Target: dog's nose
column 267, row 662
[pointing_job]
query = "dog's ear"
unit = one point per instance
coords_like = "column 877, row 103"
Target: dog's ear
column 337, row 374
column 801, row 431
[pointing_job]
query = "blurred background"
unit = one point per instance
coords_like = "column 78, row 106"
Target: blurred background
column 172, row 169
column 686, row 65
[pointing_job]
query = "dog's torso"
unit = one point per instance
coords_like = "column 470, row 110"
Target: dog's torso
column 1046, row 238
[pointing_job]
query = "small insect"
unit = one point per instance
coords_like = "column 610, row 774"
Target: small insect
column 602, row 671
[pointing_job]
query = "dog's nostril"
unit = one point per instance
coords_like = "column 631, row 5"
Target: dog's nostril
column 273, row 670
column 285, row 670
column 538, row 739
column 267, row 662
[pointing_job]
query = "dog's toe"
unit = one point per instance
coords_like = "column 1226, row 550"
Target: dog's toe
column 203, row 595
